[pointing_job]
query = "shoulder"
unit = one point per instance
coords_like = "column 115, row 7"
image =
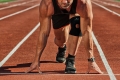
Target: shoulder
column 45, row 3
column 46, row 7
column 84, row 7
column 86, row 1
column 89, row 9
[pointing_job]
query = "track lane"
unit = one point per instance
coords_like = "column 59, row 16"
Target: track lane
column 12, row 2
column 17, row 9
column 14, row 5
column 112, row 1
column 118, row 77
column 82, row 60
column 107, row 33
column 53, row 77
column 11, row 28
column 112, row 6
column 21, row 66
column 20, row 59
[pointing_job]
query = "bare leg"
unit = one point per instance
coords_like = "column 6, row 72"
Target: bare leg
column 73, row 44
column 61, row 36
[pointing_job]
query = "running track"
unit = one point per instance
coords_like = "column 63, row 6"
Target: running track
column 18, row 39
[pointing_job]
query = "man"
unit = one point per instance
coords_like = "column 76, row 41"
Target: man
column 70, row 18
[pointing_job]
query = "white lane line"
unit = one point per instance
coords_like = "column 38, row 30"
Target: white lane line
column 14, row 5
column 18, row 45
column 104, row 60
column 57, row 74
column 18, row 12
column 22, row 73
column 107, row 66
column 110, row 4
column 113, row 12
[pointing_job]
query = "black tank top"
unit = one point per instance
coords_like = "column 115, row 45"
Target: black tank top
column 60, row 17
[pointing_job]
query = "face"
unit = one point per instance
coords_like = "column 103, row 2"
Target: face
column 64, row 3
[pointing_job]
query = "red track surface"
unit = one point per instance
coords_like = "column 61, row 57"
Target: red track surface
column 15, row 28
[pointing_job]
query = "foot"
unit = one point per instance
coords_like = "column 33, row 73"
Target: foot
column 70, row 66
column 34, row 66
column 61, row 55
column 94, row 66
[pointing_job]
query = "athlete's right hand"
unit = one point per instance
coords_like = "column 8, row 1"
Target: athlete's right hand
column 94, row 66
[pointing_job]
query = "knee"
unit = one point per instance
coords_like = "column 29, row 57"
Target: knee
column 59, row 43
column 75, row 26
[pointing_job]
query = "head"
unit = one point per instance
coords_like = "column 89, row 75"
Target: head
column 64, row 3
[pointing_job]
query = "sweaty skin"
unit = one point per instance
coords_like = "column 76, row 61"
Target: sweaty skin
column 84, row 10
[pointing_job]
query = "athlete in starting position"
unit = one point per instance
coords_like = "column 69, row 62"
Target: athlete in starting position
column 71, row 20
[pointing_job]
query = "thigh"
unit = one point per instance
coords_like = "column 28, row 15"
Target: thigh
column 62, row 33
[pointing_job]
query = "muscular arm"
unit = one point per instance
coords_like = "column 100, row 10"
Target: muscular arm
column 86, row 15
column 45, row 26
column 89, row 12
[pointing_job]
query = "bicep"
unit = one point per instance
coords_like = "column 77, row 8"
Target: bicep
column 45, row 25
column 45, row 20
